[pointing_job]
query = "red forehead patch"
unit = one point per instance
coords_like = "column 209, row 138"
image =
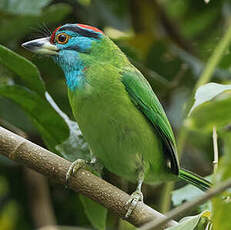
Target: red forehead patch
column 90, row 28
column 52, row 39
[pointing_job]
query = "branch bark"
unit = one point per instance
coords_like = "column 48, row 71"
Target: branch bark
column 55, row 167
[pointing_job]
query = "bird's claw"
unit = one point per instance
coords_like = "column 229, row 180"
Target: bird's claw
column 75, row 166
column 133, row 201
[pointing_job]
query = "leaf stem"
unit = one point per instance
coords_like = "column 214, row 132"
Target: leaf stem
column 215, row 150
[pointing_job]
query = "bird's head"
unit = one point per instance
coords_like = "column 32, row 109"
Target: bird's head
column 74, row 37
column 69, row 45
column 66, row 42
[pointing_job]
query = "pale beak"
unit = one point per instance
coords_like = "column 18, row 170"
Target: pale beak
column 41, row 46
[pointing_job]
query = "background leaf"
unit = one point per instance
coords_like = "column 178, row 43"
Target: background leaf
column 189, row 223
column 221, row 203
column 214, row 113
column 207, row 92
column 96, row 213
column 30, row 24
column 23, row 6
column 51, row 126
column 26, row 70
column 186, row 193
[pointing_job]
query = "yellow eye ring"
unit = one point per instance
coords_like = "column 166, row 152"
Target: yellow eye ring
column 62, row 38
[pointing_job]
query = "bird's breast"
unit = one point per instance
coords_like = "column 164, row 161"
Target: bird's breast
column 118, row 133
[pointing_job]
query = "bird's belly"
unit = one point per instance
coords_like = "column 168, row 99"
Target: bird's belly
column 122, row 139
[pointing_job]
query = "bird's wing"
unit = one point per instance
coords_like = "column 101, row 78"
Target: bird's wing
column 146, row 101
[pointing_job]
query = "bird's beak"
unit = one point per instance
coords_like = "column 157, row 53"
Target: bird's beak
column 41, row 46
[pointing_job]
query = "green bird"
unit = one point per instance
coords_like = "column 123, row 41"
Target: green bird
column 115, row 107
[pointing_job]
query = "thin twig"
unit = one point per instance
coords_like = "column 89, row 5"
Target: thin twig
column 12, row 128
column 156, row 224
column 55, row 167
column 42, row 211
column 215, row 150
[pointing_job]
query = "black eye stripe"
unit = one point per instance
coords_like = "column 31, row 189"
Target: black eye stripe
column 77, row 48
column 80, row 31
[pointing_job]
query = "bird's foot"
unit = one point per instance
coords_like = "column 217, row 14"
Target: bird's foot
column 75, row 166
column 133, row 201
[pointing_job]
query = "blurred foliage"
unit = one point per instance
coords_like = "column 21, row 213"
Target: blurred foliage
column 95, row 212
column 211, row 107
column 198, row 222
column 170, row 42
column 222, row 203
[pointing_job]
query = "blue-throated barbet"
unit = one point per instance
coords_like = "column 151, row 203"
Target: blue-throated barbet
column 116, row 109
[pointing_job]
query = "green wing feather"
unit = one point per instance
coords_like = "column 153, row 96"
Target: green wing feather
column 146, row 101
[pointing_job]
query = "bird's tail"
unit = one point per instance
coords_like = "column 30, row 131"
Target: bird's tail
column 194, row 179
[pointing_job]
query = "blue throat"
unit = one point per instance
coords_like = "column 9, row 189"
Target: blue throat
column 74, row 79
column 72, row 67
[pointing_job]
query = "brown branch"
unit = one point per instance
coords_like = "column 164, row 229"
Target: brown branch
column 55, row 167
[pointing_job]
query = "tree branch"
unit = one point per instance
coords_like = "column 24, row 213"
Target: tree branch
column 157, row 224
column 55, row 167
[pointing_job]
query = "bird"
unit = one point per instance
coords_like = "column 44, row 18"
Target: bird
column 116, row 109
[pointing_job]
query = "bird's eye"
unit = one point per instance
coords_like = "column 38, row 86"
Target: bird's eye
column 62, row 38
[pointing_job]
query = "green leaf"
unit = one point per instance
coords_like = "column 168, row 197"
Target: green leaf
column 186, row 193
column 26, row 70
column 207, row 92
column 189, row 222
column 197, row 24
column 51, row 126
column 221, row 203
column 4, row 187
column 96, row 213
column 84, row 2
column 212, row 114
column 9, row 215
column 55, row 13
column 26, row 23
column 211, row 108
column 125, row 225
column 32, row 7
